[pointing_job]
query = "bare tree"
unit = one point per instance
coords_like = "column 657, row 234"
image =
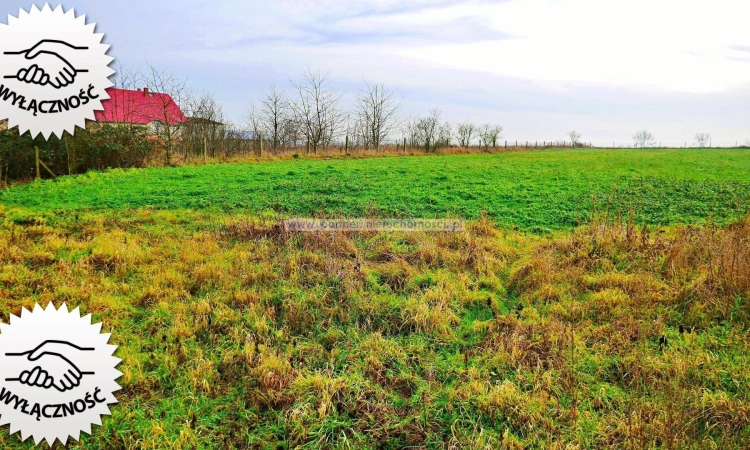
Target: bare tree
column 702, row 139
column 273, row 115
column 376, row 112
column 292, row 133
column 253, row 120
column 465, row 132
column 167, row 90
column 643, row 139
column 445, row 135
column 205, row 131
column 489, row 135
column 574, row 138
column 427, row 129
column 316, row 109
column 126, row 77
column 411, row 131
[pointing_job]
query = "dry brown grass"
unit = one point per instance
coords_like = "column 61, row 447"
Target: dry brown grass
column 236, row 332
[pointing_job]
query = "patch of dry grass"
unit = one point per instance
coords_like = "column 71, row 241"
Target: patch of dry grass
column 237, row 334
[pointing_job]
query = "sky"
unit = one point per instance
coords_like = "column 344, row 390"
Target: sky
column 538, row 68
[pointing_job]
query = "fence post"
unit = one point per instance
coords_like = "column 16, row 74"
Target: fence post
column 36, row 150
column 506, row 144
column 205, row 148
column 67, row 151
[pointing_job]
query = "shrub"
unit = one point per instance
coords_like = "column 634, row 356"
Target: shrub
column 97, row 147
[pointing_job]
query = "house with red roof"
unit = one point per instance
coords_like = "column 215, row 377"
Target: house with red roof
column 140, row 107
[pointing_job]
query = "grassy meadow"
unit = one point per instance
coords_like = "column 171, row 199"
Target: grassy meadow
column 535, row 190
column 601, row 300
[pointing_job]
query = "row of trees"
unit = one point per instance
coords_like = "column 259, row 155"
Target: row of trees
column 644, row 138
column 311, row 114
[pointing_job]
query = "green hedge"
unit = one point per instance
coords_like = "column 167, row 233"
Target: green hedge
column 98, row 147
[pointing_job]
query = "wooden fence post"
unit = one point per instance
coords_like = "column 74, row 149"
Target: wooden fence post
column 67, row 151
column 36, row 150
column 346, row 144
column 39, row 162
column 404, row 145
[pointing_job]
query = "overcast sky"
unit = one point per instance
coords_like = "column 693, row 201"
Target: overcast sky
column 539, row 68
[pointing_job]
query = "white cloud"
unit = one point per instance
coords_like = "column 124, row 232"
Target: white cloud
column 675, row 45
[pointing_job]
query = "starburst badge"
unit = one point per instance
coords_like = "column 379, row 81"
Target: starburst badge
column 57, row 374
column 54, row 71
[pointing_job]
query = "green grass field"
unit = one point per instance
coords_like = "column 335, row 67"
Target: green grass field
column 531, row 190
column 623, row 332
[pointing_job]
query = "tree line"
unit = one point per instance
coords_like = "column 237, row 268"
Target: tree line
column 310, row 115
column 307, row 116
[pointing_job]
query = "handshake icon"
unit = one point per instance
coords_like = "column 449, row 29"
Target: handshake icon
column 50, row 365
column 49, row 64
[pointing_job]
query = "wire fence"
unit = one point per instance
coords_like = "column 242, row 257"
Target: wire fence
column 675, row 145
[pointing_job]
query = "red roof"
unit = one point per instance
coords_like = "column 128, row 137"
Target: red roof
column 139, row 107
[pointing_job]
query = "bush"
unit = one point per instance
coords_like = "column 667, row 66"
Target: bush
column 100, row 146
